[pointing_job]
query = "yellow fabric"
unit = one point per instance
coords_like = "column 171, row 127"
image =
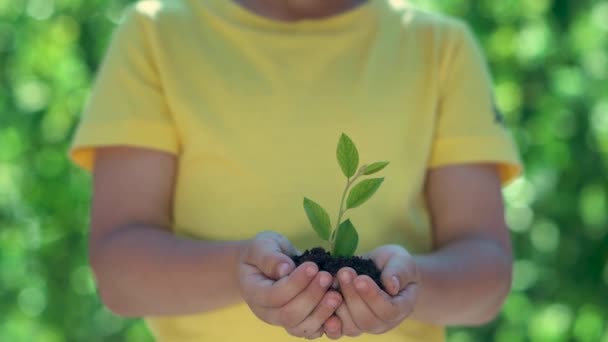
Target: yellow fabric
column 254, row 108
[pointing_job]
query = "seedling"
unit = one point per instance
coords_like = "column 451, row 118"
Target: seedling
column 343, row 237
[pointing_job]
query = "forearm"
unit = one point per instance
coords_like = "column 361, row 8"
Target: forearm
column 145, row 271
column 463, row 283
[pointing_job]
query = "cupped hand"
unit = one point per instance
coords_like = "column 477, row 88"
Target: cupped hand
column 366, row 307
column 278, row 293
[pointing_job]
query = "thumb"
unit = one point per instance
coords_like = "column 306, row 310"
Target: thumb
column 284, row 244
column 398, row 273
column 269, row 256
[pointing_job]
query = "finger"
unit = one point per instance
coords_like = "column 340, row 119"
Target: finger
column 286, row 289
column 252, row 282
column 363, row 317
column 383, row 254
column 316, row 335
column 304, row 303
column 284, row 243
column 333, row 327
column 398, row 273
column 349, row 328
column 390, row 310
column 266, row 254
column 323, row 311
column 310, row 336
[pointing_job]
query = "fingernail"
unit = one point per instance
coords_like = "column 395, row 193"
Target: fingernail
column 345, row 277
column 311, row 271
column 283, row 270
column 395, row 282
column 332, row 302
column 361, row 285
column 325, row 280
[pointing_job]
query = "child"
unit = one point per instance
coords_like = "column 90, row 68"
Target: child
column 209, row 122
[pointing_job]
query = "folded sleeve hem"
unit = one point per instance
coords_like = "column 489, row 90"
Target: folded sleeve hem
column 449, row 151
column 133, row 133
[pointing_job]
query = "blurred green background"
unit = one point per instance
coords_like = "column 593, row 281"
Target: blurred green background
column 549, row 59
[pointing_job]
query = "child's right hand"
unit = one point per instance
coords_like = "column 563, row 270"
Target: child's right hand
column 280, row 294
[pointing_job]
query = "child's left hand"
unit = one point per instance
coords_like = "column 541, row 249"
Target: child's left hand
column 367, row 308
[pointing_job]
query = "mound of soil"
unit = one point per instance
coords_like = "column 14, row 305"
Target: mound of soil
column 326, row 262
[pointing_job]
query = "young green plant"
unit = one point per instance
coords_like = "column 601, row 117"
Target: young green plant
column 343, row 238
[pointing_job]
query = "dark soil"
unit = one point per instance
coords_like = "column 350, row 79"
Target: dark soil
column 332, row 264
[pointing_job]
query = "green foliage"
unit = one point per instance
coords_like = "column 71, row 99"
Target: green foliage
column 348, row 156
column 319, row 219
column 49, row 52
column 375, row 167
column 549, row 60
column 344, row 238
column 347, row 239
column 362, row 192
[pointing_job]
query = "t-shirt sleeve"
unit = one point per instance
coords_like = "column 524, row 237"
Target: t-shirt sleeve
column 469, row 127
column 127, row 106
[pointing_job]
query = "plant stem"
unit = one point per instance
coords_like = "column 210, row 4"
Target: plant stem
column 340, row 213
column 349, row 182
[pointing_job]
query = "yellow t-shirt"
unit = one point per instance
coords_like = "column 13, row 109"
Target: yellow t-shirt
column 254, row 107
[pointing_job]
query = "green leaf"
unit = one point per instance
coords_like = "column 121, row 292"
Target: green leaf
column 362, row 192
column 375, row 167
column 347, row 240
column 318, row 217
column 348, row 156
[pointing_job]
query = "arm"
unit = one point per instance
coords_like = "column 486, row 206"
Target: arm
column 467, row 278
column 141, row 268
column 463, row 282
